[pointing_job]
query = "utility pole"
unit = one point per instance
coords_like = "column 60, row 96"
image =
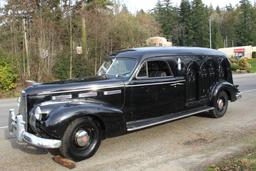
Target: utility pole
column 226, row 41
column 210, row 31
column 71, row 42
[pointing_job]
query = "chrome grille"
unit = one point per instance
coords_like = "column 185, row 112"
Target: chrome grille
column 23, row 107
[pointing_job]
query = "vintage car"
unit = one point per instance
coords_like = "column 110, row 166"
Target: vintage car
column 134, row 89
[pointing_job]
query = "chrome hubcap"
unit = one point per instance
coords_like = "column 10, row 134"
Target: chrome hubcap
column 82, row 138
column 220, row 103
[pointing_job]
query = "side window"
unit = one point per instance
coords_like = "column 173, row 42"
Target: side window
column 143, row 71
column 174, row 67
column 155, row 69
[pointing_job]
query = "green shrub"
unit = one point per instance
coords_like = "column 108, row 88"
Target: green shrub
column 253, row 54
column 7, row 77
column 253, row 65
column 80, row 70
column 61, row 67
column 234, row 66
column 244, row 65
column 233, row 60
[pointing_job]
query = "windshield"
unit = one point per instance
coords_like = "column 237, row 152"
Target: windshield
column 118, row 67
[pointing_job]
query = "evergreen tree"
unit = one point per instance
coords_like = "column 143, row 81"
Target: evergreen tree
column 217, row 38
column 200, row 24
column 185, row 22
column 228, row 26
column 167, row 16
column 245, row 27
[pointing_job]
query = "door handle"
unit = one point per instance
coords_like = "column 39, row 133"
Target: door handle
column 173, row 85
column 180, row 84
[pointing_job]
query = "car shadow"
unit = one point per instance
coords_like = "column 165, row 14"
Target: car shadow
column 24, row 147
column 204, row 115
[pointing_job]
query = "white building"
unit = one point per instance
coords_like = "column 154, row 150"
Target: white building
column 239, row 52
column 158, row 41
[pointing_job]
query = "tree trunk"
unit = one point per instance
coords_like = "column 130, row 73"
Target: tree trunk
column 26, row 46
column 84, row 33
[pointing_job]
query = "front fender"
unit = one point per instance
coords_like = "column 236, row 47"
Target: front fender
column 111, row 119
column 229, row 88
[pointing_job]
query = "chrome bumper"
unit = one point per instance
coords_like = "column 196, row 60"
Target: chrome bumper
column 16, row 126
column 238, row 96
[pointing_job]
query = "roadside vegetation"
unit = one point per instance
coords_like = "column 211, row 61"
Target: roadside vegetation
column 252, row 62
column 245, row 162
column 49, row 40
column 243, row 65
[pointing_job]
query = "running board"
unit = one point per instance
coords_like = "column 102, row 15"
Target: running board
column 140, row 124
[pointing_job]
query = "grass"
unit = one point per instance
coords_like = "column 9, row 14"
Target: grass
column 252, row 62
column 11, row 93
column 246, row 162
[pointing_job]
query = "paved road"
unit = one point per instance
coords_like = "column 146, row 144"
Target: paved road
column 5, row 105
column 187, row 144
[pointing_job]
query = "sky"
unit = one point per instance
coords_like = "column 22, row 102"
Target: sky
column 136, row 5
column 2, row 2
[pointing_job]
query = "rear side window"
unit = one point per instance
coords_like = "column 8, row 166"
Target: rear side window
column 155, row 69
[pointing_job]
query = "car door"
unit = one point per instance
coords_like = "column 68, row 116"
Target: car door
column 151, row 93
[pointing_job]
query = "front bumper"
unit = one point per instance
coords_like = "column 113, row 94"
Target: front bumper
column 16, row 126
column 238, row 95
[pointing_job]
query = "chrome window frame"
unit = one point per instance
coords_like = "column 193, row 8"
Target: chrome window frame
column 152, row 78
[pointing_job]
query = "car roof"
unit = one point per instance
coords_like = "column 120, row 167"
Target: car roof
column 146, row 52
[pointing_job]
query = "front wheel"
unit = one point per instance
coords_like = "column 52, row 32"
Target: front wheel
column 220, row 105
column 81, row 139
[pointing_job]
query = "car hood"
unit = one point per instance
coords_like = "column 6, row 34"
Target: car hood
column 90, row 83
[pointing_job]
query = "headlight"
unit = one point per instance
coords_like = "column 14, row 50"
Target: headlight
column 38, row 113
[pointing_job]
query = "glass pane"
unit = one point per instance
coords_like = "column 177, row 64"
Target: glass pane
column 118, row 67
column 158, row 69
column 143, row 71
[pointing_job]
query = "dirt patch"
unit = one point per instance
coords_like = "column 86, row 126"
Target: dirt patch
column 198, row 141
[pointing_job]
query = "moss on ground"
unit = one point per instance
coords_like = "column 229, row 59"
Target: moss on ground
column 246, row 162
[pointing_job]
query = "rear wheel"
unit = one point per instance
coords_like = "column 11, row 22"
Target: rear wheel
column 220, row 105
column 81, row 139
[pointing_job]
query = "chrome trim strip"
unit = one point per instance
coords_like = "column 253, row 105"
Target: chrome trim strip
column 107, row 93
column 89, row 94
column 51, row 103
column 168, row 120
column 23, row 108
column 151, row 84
column 180, row 83
column 89, row 88
column 61, row 97
column 100, row 87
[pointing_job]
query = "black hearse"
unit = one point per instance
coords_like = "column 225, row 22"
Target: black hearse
column 134, row 89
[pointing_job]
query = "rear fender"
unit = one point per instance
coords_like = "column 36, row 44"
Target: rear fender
column 229, row 88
